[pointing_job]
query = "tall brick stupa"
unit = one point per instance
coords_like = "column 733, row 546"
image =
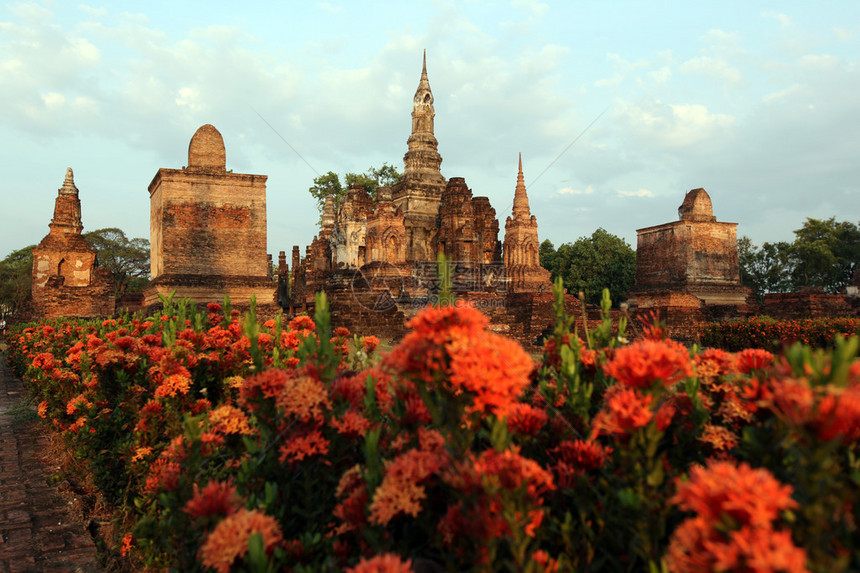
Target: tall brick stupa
column 208, row 229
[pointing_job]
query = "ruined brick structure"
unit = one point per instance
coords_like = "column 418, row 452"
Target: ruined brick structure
column 208, row 229
column 381, row 264
column 688, row 269
column 386, row 231
column 67, row 280
column 522, row 259
column 418, row 191
column 468, row 228
column 695, row 255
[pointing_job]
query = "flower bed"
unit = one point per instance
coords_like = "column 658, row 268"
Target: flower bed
column 773, row 335
column 228, row 445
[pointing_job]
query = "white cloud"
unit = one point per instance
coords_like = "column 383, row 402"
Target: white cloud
column 717, row 37
column 844, row 35
column 823, row 61
column 623, row 68
column 672, row 125
column 535, row 7
column 780, row 95
column 331, row 9
column 714, row 68
column 661, row 76
column 98, row 12
column 637, row 193
column 783, row 19
column 571, row 191
column 53, row 100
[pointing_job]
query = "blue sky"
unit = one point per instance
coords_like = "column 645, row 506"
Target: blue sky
column 754, row 101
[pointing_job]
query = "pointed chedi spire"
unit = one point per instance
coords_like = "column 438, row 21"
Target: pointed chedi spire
column 422, row 103
column 67, row 207
column 521, row 198
column 422, row 160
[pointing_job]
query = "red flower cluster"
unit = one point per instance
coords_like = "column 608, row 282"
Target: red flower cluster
column 735, row 508
column 646, row 362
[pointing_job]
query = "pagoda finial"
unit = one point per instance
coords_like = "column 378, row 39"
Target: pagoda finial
column 424, row 65
column 521, row 198
column 68, row 187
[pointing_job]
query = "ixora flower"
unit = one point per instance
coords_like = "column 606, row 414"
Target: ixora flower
column 648, row 362
column 625, row 411
column 732, row 530
column 450, row 350
column 402, row 488
column 745, row 494
column 385, row 563
column 217, row 498
column 229, row 540
column 753, row 359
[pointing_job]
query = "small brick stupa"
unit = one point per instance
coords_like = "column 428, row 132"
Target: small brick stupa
column 522, row 258
column 67, row 281
column 208, row 229
column 692, row 262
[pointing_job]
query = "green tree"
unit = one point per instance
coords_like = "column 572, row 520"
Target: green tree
column 329, row 185
column 127, row 259
column 16, row 277
column 591, row 264
column 825, row 254
column 766, row 269
column 547, row 254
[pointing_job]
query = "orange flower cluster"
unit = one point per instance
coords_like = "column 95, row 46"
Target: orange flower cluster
column 303, row 445
column 449, row 350
column 402, row 488
column 751, row 359
column 228, row 542
column 385, row 563
column 735, row 508
column 216, row 499
column 228, row 420
column 526, row 420
column 829, row 411
column 369, row 343
column 485, row 479
column 577, row 457
column 646, row 362
column 624, row 411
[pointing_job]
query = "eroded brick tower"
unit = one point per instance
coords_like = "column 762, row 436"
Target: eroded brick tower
column 67, row 280
column 208, row 228
column 522, row 259
column 418, row 191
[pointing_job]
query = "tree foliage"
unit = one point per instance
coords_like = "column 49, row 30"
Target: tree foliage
column 591, row 264
column 127, row 259
column 824, row 254
column 329, row 184
column 16, row 277
column 765, row 269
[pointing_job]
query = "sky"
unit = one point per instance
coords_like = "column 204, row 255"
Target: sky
column 618, row 107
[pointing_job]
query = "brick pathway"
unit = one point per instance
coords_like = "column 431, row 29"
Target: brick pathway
column 37, row 533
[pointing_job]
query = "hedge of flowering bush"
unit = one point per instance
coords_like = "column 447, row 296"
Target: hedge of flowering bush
column 773, row 335
column 228, row 445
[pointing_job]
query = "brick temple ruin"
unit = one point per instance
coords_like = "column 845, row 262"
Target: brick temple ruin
column 208, row 229
column 377, row 260
column 375, row 257
column 67, row 279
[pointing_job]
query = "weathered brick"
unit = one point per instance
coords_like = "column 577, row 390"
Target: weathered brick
column 208, row 229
